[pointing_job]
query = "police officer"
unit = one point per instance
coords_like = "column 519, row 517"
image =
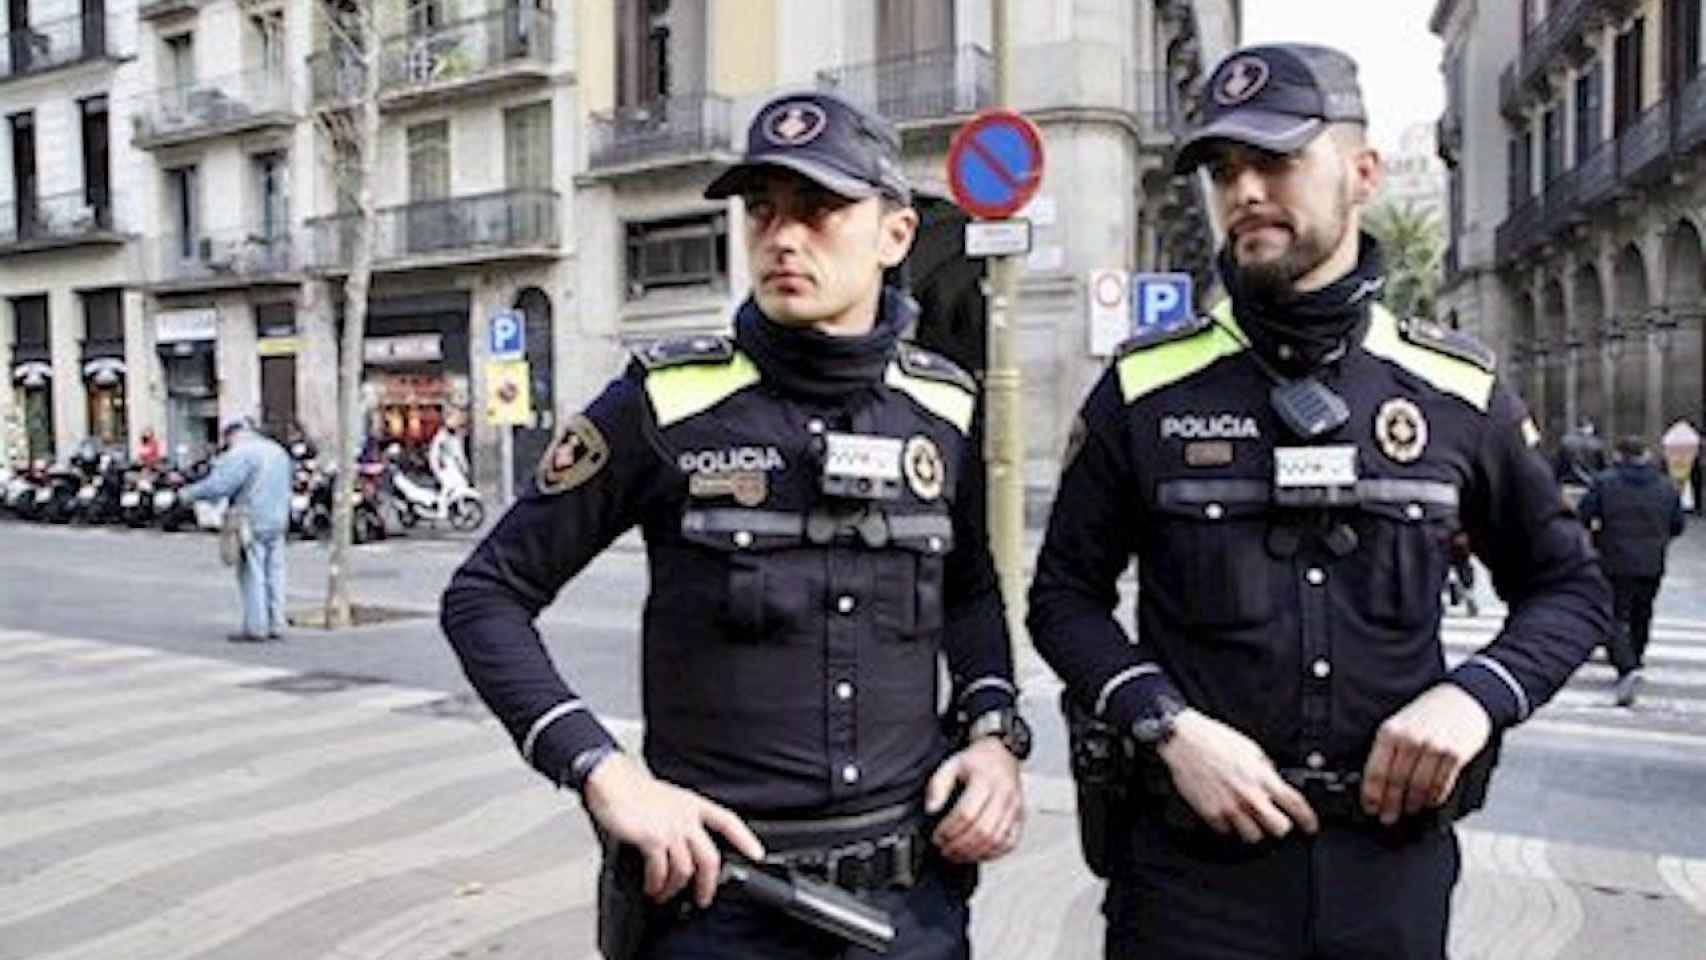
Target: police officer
column 1288, row 472
column 803, row 489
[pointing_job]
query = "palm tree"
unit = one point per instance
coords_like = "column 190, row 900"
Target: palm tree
column 1414, row 243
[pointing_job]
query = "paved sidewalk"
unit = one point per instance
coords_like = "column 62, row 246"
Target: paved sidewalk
column 255, row 812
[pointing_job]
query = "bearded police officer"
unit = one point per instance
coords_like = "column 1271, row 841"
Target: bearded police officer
column 805, row 489
column 1291, row 747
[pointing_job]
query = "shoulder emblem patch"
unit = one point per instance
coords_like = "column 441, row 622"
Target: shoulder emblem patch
column 933, row 366
column 1157, row 337
column 1461, row 346
column 574, row 458
column 677, row 351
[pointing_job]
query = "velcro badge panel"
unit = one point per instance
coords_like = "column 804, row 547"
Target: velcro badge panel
column 1452, row 343
column 923, row 363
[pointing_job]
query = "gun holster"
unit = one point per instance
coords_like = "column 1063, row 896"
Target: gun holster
column 1473, row 783
column 622, row 905
column 1104, row 768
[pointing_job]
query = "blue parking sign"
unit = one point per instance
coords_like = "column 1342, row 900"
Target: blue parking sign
column 508, row 334
column 1160, row 301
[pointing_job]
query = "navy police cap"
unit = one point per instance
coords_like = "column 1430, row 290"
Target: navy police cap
column 845, row 149
column 1275, row 97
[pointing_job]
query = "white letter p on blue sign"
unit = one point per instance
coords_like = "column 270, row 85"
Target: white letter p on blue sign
column 1160, row 301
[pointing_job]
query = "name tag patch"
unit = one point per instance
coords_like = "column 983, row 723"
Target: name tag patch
column 1304, row 467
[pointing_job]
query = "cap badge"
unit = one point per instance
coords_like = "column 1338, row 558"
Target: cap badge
column 1243, row 78
column 795, row 124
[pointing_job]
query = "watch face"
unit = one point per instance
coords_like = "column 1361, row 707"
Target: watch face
column 1018, row 737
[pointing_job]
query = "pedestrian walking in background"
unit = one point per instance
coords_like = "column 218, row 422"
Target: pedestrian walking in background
column 1634, row 511
column 254, row 473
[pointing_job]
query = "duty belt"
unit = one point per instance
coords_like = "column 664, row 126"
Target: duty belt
column 869, row 851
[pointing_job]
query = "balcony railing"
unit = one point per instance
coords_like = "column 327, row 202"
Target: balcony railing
column 57, row 43
column 1691, row 113
column 936, row 85
column 676, row 127
column 455, row 227
column 1597, row 175
column 225, row 105
column 1520, row 232
column 1560, row 201
column 153, row 9
column 1645, row 142
column 459, row 55
column 239, row 255
column 1540, row 47
column 59, row 220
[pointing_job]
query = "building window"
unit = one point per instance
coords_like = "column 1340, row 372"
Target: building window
column 24, row 174
column 184, row 212
column 180, row 62
column 34, row 395
column 1588, row 111
column 642, row 52
column 527, row 146
column 680, row 252
column 429, row 160
column 905, row 28
column 103, row 355
column 1552, row 161
column 268, row 33
column 1626, row 93
column 272, row 194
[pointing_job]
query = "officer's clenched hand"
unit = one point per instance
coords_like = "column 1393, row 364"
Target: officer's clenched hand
column 1419, row 751
column 1230, row 782
column 990, row 814
column 669, row 825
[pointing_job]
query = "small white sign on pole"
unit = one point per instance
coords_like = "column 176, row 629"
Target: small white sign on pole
column 998, row 238
column 1110, row 310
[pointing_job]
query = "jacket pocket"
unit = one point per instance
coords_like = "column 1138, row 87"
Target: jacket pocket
column 1216, row 572
column 765, row 565
column 910, row 575
column 1406, row 536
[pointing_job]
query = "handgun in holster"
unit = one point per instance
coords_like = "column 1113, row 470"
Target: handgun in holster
column 1104, row 768
column 1470, row 794
column 623, row 908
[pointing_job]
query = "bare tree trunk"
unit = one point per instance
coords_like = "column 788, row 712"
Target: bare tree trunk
column 366, row 139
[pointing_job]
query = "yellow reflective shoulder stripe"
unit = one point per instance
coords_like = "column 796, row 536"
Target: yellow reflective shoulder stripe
column 1147, row 369
column 681, row 391
column 945, row 400
column 1448, row 374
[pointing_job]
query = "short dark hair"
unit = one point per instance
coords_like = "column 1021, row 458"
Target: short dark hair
column 1631, row 447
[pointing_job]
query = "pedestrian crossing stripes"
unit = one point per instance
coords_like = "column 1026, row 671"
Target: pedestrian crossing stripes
column 157, row 806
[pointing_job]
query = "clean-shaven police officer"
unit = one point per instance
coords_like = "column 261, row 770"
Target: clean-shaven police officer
column 1288, row 472
column 803, row 492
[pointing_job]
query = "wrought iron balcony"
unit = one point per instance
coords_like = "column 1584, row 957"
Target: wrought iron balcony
column 923, row 87
column 1520, row 232
column 674, row 130
column 1559, row 202
column 1644, row 144
column 509, row 224
column 40, row 47
column 1691, row 114
column 234, row 104
column 238, row 257
column 1596, row 176
column 478, row 55
column 61, row 220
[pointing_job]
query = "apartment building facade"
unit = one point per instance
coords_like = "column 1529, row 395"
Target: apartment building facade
column 668, row 87
column 1593, row 279
column 68, row 217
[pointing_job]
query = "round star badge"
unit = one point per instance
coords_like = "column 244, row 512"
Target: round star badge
column 922, row 463
column 1401, row 430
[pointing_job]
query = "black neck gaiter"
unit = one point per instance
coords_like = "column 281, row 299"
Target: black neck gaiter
column 1298, row 332
column 816, row 365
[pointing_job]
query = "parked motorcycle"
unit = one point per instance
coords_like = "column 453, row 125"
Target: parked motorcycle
column 415, row 501
column 98, row 498
column 136, row 501
column 368, row 523
column 173, row 512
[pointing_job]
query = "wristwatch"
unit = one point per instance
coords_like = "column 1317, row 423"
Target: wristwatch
column 1154, row 729
column 1006, row 725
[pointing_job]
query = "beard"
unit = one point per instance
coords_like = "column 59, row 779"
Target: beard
column 1276, row 277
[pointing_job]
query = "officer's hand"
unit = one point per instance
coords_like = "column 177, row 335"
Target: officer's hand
column 669, row 825
column 1230, row 782
column 990, row 814
column 1419, row 751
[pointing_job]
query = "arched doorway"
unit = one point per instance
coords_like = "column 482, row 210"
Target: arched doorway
column 1549, row 326
column 531, row 441
column 1685, row 300
column 1591, row 396
column 1629, row 383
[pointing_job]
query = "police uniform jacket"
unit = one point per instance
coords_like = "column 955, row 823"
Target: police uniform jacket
column 1306, row 628
column 790, row 639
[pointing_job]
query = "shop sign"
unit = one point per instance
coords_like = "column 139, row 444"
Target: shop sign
column 178, row 326
column 408, row 348
column 32, row 374
column 104, row 371
column 277, row 346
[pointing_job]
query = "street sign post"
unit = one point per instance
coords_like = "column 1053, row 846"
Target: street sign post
column 1160, row 301
column 1110, row 310
column 508, row 335
column 998, row 238
column 995, row 164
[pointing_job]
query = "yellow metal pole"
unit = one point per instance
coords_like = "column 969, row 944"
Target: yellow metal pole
column 1006, row 444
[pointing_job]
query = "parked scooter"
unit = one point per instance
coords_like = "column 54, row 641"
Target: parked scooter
column 414, row 501
column 136, row 502
column 368, row 523
column 98, row 498
column 172, row 511
column 28, row 494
